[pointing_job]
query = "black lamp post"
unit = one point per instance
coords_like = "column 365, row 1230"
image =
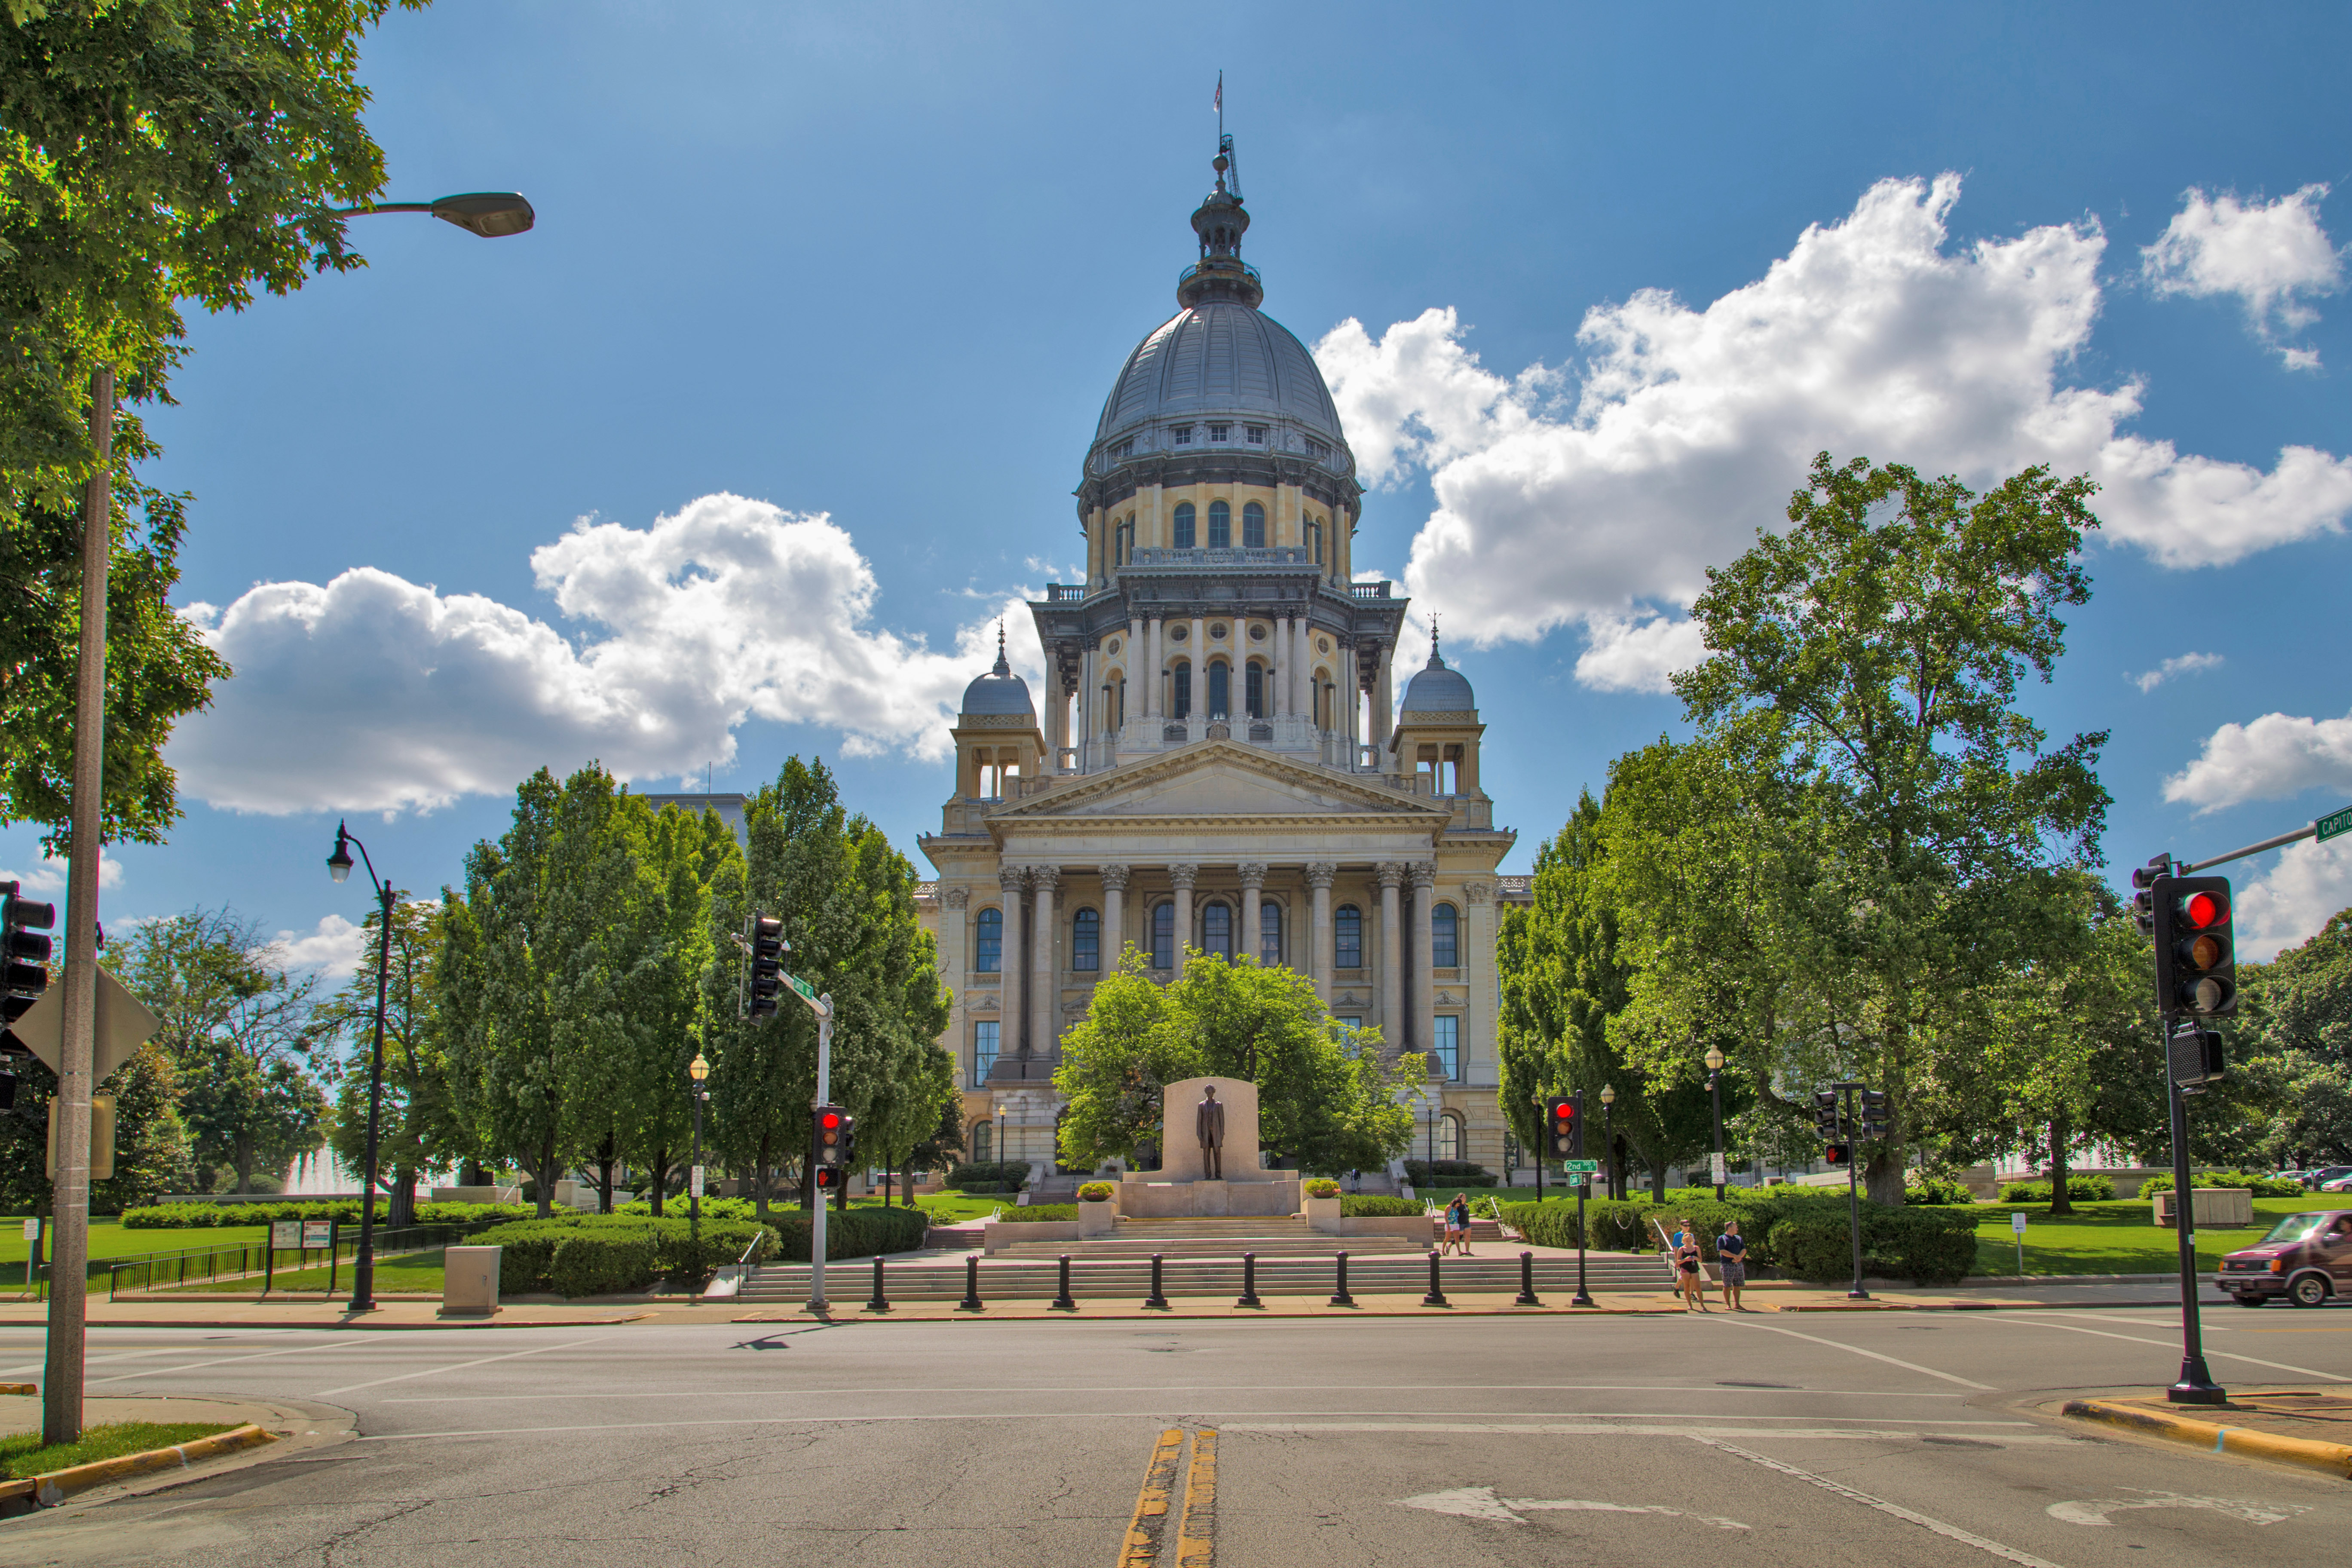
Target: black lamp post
column 1609, row 1144
column 696, row 1071
column 339, row 866
column 1715, row 1100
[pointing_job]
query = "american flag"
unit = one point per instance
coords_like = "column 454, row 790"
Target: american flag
column 1217, row 104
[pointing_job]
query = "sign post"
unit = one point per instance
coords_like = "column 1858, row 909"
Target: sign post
column 1582, row 1171
column 32, row 1246
column 2017, row 1223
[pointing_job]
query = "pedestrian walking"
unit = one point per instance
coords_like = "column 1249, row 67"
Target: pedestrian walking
column 1689, row 1277
column 1458, row 1224
column 1731, row 1257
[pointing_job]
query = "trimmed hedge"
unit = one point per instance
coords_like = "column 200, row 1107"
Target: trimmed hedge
column 851, row 1233
column 1447, row 1173
column 199, row 1216
column 1936, row 1190
column 2261, row 1186
column 615, row 1253
column 989, row 1176
column 1799, row 1231
column 1925, row 1246
column 1373, row 1205
column 2081, row 1189
column 1040, row 1213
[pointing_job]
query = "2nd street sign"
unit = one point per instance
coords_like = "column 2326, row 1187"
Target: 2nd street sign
column 2334, row 823
column 803, row 986
column 1581, row 1167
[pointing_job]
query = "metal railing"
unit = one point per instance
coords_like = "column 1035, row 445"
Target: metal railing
column 251, row 1260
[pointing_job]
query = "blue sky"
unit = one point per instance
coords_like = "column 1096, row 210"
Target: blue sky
column 881, row 263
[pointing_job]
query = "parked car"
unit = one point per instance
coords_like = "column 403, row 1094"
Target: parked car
column 2307, row 1258
column 2340, row 1184
column 2326, row 1173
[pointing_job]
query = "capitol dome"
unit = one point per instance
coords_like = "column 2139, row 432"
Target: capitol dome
column 1437, row 690
column 1000, row 691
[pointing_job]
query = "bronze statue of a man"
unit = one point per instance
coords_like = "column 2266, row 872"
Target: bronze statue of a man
column 1209, row 1126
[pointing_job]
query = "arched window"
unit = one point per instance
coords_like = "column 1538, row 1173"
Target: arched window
column 1217, row 930
column 1221, row 525
column 983, row 1141
column 1086, row 940
column 1184, row 525
column 1164, row 936
column 1256, row 692
column 1314, row 538
column 1449, row 1137
column 1221, row 682
column 1183, row 691
column 1444, row 952
column 990, row 958
column 1269, row 933
column 1254, row 526
column 1348, row 937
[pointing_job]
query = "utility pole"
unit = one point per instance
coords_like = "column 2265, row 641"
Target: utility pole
column 823, row 1007
column 61, row 1386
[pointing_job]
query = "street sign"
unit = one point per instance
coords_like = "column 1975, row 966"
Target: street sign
column 696, row 1184
column 123, row 1026
column 1718, row 1168
column 1581, row 1167
column 806, row 990
column 2334, row 823
column 2017, row 1223
column 317, row 1233
column 32, row 1227
column 286, row 1234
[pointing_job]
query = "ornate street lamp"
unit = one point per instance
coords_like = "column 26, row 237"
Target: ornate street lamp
column 1609, row 1144
column 696, row 1071
column 339, row 866
column 1714, row 1099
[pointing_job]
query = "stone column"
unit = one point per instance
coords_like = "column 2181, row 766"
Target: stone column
column 1012, row 962
column 1183, row 876
column 1479, row 1024
column 1253, row 887
column 1114, row 881
column 1043, row 982
column 1392, row 877
column 1302, row 668
column 1318, row 879
column 1151, row 671
column 1425, row 1010
column 1277, row 697
column 1201, row 667
column 1383, row 705
column 1058, row 713
column 1088, row 660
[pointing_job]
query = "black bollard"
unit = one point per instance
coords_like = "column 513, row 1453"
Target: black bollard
column 1249, row 1281
column 881, row 1303
column 1527, row 1281
column 1156, row 1298
column 971, row 1303
column 1340, row 1297
column 1062, row 1302
column 1436, row 1298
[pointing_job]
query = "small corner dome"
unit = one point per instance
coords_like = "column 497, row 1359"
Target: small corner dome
column 1437, row 690
column 998, row 691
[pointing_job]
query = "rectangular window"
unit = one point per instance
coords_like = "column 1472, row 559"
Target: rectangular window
column 1086, row 941
column 1256, row 434
column 983, row 1050
column 1269, row 942
column 1443, row 949
column 1446, row 1053
column 1348, row 938
column 1256, row 692
column 1350, row 1025
column 1317, row 450
column 1220, row 432
column 1164, row 936
column 1183, row 434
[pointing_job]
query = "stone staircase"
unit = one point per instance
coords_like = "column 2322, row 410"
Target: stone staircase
column 1267, row 1238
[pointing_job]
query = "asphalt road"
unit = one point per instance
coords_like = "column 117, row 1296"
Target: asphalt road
column 1820, row 1439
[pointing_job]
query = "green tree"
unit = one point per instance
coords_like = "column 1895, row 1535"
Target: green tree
column 1554, row 955
column 418, row 1128
column 1116, row 1063
column 152, row 152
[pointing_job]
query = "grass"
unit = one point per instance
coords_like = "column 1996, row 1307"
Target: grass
column 407, row 1272
column 2118, row 1237
column 25, row 1455
column 108, row 1239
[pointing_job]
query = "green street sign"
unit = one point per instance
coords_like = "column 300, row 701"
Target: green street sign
column 803, row 986
column 2334, row 823
column 1581, row 1167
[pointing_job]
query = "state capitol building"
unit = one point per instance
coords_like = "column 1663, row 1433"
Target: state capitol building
column 1214, row 762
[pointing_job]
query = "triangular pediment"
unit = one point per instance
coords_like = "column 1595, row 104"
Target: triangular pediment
column 1220, row 779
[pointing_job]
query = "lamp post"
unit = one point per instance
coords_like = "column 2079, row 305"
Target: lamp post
column 696, row 1071
column 339, row 866
column 1714, row 1101
column 1608, row 1145
column 493, row 215
column 1000, row 1157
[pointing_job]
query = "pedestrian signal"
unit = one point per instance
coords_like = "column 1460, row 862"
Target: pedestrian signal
column 1839, row 1154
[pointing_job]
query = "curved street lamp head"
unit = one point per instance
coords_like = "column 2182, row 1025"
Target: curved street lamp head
column 1715, row 1059
column 698, row 1068
column 493, row 215
column 1608, row 1095
column 339, row 864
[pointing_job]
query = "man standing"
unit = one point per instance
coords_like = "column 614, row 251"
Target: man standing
column 1731, row 1257
column 1209, row 1125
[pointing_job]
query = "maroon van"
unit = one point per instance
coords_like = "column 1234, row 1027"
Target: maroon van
column 2306, row 1258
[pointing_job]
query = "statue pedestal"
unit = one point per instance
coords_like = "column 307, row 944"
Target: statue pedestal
column 1182, row 1191
column 1274, row 1194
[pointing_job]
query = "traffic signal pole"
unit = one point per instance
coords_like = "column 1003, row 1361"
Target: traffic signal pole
column 2196, row 1385
column 816, row 1301
column 1854, row 1191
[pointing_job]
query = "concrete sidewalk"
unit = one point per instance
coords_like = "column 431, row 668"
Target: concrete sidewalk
column 2310, row 1426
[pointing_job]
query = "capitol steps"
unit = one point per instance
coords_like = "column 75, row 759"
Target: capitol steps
column 849, row 1280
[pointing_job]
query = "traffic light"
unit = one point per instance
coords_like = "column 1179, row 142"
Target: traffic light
column 2194, row 1055
column 2196, row 958
column 24, row 951
column 848, row 1143
column 1877, row 1117
column 1839, row 1154
column 1826, row 1113
column 828, row 1179
column 828, row 1136
column 2145, row 879
column 764, row 982
column 1564, row 1126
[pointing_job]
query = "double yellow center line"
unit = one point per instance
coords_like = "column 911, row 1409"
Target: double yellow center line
column 1196, row 1535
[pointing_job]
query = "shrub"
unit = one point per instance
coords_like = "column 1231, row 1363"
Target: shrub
column 2260, row 1186
column 1040, row 1213
column 851, row 1233
column 1930, row 1190
column 601, row 1262
column 1096, row 1193
column 1320, row 1187
column 2081, row 1189
column 527, row 1261
column 1447, row 1173
column 713, row 1208
column 183, row 1217
column 989, row 1176
column 1373, row 1205
column 1927, row 1247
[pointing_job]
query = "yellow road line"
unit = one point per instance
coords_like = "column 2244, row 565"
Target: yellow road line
column 1143, row 1533
column 1196, row 1538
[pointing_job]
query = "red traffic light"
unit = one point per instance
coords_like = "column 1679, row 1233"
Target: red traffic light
column 2204, row 911
column 829, row 1120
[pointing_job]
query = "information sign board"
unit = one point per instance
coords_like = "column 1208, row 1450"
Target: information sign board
column 696, row 1186
column 2017, row 1223
column 317, row 1233
column 286, row 1234
column 32, row 1227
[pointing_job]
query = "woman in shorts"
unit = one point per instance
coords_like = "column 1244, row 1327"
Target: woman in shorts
column 1689, row 1279
column 1458, row 1224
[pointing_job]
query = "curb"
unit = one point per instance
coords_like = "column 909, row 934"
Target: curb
column 20, row 1388
column 2336, row 1458
column 50, row 1490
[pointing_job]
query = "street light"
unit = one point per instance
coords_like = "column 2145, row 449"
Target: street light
column 1609, row 1144
column 493, row 215
column 339, row 866
column 698, row 1069
column 1715, row 1100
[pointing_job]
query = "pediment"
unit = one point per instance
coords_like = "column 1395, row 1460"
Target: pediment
column 1220, row 779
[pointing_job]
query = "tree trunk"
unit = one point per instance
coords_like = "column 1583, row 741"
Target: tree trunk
column 542, row 1179
column 1882, row 1178
column 760, row 1178
column 605, row 1161
column 404, row 1197
column 2059, row 1201
column 241, row 1155
column 659, row 1170
column 1658, row 1181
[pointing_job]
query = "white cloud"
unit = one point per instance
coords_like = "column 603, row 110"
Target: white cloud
column 49, row 877
column 2187, row 664
column 372, row 693
column 1601, row 498
column 333, row 949
column 2276, row 756
column 2288, row 904
column 2272, row 256
column 1630, row 656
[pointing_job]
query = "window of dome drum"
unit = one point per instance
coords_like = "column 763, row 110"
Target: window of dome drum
column 1256, row 433
column 1111, row 647
column 1184, row 525
column 1183, row 434
column 988, row 957
column 1443, row 951
column 1178, row 634
column 1446, row 1057
column 1348, row 937
column 1253, row 527
column 1164, row 936
column 1269, row 929
column 1216, row 629
column 1086, row 941
column 1220, row 432
column 1221, row 525
column 1217, row 931
column 1257, row 632
column 983, row 1051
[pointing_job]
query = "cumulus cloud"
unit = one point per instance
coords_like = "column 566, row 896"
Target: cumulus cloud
column 1598, row 498
column 2187, row 664
column 2287, row 904
column 2276, row 756
column 47, row 876
column 1630, row 656
column 2272, row 256
column 332, row 950
column 373, row 693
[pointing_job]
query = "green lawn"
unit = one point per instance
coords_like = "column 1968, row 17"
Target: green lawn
column 2116, row 1237
column 108, row 1239
column 404, row 1272
column 25, row 1455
